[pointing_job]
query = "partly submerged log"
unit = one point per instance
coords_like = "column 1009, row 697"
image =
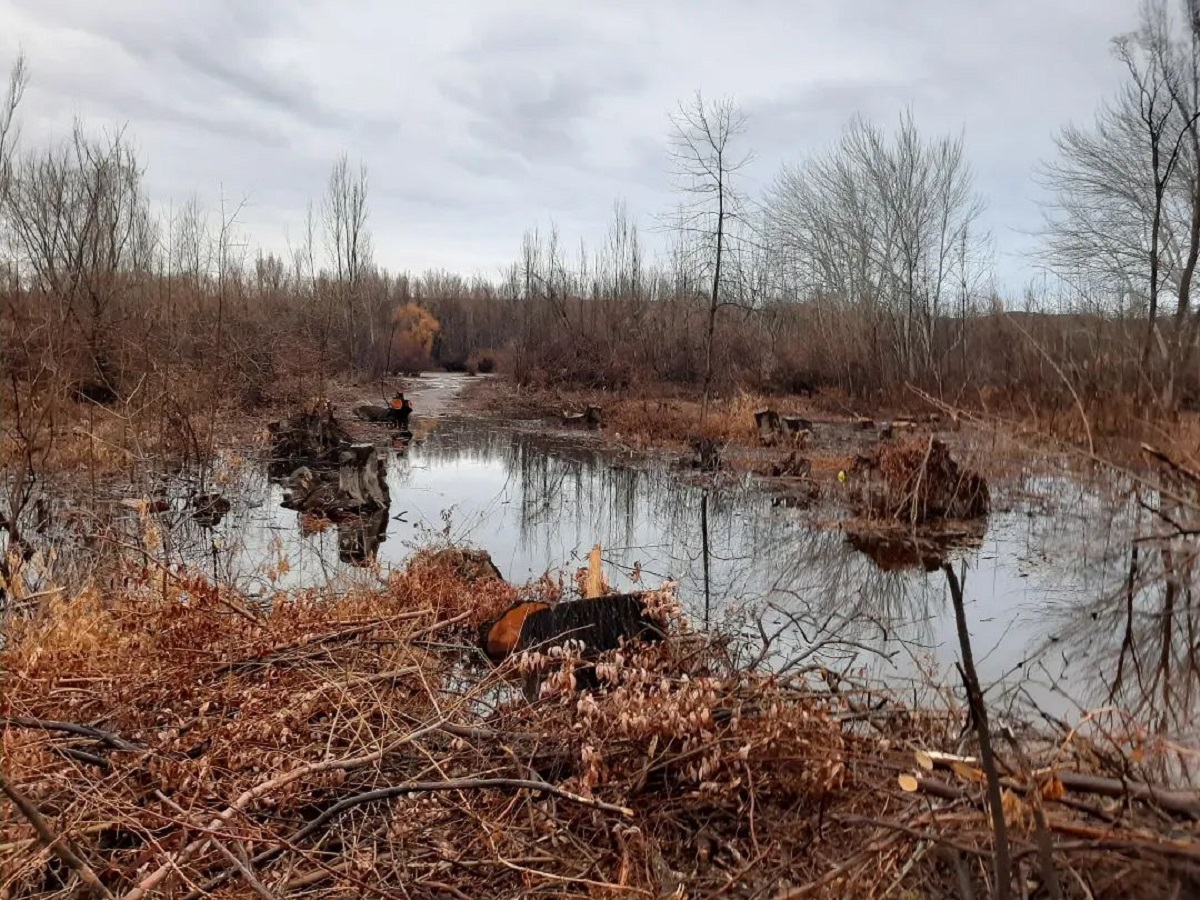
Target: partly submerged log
column 387, row 415
column 368, row 412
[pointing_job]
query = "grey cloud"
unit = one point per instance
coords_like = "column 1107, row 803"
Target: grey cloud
column 477, row 120
column 220, row 41
column 529, row 83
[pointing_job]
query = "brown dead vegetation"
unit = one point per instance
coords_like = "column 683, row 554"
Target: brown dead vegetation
column 173, row 740
column 919, row 482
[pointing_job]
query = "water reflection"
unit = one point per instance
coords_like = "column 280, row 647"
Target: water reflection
column 1135, row 632
column 359, row 538
column 1045, row 585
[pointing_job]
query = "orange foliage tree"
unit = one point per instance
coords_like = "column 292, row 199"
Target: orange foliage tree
column 413, row 331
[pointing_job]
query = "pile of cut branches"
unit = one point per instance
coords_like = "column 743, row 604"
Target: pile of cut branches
column 168, row 740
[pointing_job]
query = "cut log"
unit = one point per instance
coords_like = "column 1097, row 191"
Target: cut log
column 592, row 417
column 368, row 412
column 599, row 624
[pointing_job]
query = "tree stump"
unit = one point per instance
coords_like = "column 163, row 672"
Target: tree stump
column 770, row 426
column 362, row 478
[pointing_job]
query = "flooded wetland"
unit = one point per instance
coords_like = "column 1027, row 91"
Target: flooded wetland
column 1059, row 621
column 821, row 522
column 344, row 605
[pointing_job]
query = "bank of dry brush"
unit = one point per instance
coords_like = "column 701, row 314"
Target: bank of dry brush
column 176, row 740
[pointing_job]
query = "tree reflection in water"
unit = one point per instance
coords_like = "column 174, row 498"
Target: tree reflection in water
column 1046, row 594
column 1135, row 630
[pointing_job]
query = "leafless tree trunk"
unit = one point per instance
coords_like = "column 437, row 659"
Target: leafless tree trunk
column 706, row 168
column 349, row 246
column 9, row 132
column 1126, row 207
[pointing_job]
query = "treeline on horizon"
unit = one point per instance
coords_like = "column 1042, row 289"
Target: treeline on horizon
column 862, row 269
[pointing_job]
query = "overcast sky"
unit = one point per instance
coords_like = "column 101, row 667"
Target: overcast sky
column 479, row 119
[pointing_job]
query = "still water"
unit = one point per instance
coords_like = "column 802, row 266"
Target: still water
column 1055, row 617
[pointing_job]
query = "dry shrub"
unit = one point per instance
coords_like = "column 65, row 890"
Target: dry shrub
column 461, row 584
column 333, row 742
column 922, row 483
column 694, row 731
column 413, row 332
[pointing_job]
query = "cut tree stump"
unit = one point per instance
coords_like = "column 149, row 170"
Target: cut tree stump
column 769, row 425
column 362, row 477
column 311, row 437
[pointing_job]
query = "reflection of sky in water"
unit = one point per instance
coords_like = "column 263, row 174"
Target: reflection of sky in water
column 1051, row 553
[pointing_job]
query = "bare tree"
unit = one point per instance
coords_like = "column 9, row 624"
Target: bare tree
column 887, row 229
column 1126, row 206
column 706, row 166
column 18, row 77
column 81, row 226
column 349, row 246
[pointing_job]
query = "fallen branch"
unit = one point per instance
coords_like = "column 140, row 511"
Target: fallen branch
column 114, row 741
column 155, row 878
column 58, row 843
